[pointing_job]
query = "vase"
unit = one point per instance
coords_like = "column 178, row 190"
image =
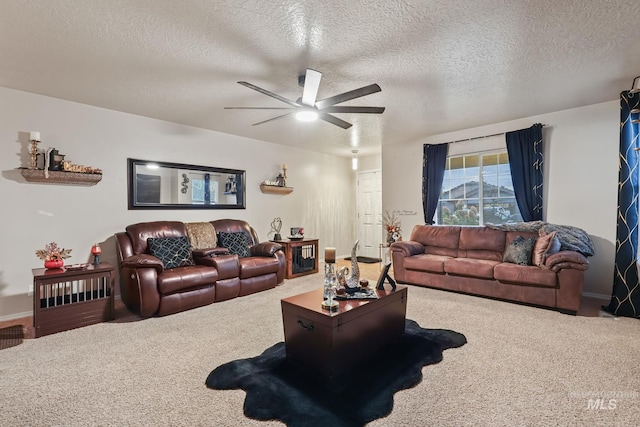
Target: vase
column 54, row 263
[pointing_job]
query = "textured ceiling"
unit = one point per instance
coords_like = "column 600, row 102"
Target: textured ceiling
column 443, row 65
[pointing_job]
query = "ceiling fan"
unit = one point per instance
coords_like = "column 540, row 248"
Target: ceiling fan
column 308, row 108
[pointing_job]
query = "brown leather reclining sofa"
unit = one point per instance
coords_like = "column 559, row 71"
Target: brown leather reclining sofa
column 149, row 289
column 470, row 260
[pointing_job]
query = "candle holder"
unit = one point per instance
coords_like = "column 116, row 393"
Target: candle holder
column 329, row 291
column 33, row 153
column 96, row 250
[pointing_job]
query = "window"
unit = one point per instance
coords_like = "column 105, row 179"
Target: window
column 476, row 190
column 199, row 195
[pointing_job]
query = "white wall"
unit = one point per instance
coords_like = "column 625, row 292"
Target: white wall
column 323, row 200
column 581, row 176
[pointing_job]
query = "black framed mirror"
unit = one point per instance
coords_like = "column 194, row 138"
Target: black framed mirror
column 164, row 185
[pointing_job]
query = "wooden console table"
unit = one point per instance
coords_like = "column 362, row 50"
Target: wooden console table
column 301, row 256
column 64, row 300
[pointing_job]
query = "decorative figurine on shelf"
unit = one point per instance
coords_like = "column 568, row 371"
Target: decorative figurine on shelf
column 96, row 250
column 351, row 282
column 276, row 226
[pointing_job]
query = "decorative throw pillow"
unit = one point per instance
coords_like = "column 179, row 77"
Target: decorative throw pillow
column 542, row 246
column 202, row 235
column 519, row 251
column 555, row 246
column 237, row 243
column 172, row 251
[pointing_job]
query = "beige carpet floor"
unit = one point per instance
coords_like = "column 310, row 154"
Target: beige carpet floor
column 521, row 366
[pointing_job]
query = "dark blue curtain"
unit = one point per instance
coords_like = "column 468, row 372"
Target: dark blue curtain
column 625, row 298
column 434, row 161
column 525, row 159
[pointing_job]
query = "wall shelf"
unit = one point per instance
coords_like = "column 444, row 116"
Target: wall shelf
column 60, row 177
column 274, row 189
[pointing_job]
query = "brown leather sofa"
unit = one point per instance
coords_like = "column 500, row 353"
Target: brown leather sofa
column 148, row 289
column 470, row 260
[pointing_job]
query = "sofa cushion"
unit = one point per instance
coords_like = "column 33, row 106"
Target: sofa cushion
column 236, row 242
column 183, row 278
column 525, row 275
column 202, row 235
column 429, row 262
column 258, row 266
column 471, row 267
column 172, row 251
column 482, row 238
column 141, row 232
column 435, row 235
column 519, row 251
column 543, row 244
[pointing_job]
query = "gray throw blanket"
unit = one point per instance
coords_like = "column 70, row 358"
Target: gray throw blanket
column 571, row 238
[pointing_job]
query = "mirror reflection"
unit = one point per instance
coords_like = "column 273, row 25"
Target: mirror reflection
column 163, row 185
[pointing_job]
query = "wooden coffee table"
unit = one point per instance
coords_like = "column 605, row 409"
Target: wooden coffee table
column 327, row 343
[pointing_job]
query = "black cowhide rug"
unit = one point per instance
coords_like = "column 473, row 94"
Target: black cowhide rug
column 278, row 391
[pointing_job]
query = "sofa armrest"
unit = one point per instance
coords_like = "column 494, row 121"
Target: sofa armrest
column 408, row 248
column 267, row 249
column 143, row 261
column 209, row 252
column 566, row 259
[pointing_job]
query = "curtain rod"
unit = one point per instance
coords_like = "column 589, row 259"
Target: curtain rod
column 485, row 136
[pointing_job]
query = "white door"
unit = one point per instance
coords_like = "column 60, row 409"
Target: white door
column 369, row 188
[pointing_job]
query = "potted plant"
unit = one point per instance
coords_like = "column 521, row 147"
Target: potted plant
column 52, row 255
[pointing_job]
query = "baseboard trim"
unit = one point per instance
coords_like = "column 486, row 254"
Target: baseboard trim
column 596, row 296
column 15, row 316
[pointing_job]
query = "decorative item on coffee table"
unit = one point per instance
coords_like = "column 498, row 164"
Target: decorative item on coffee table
column 350, row 282
column 329, row 292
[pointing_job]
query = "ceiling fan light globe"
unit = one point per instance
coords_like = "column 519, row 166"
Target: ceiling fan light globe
column 306, row 115
column 635, row 87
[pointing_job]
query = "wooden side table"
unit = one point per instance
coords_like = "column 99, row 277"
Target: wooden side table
column 64, row 300
column 301, row 256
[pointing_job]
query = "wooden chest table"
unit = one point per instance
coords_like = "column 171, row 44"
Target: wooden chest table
column 330, row 342
column 64, row 300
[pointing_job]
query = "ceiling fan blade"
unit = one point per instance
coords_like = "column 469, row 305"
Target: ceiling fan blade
column 311, row 86
column 355, row 109
column 334, row 120
column 271, row 119
column 356, row 93
column 258, row 108
column 271, row 94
